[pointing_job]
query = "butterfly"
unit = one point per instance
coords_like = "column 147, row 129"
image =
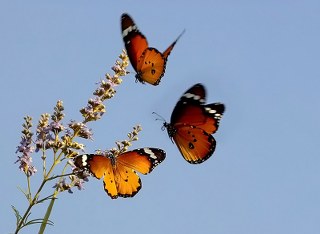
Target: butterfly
column 148, row 62
column 119, row 173
column 192, row 123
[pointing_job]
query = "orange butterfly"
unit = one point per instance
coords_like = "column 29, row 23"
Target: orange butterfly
column 119, row 172
column 148, row 62
column 192, row 123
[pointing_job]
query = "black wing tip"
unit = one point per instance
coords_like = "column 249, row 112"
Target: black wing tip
column 180, row 35
column 78, row 160
column 222, row 107
column 219, row 105
column 198, row 85
column 160, row 153
column 125, row 15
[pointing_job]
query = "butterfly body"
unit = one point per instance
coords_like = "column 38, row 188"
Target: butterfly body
column 148, row 62
column 119, row 172
column 192, row 123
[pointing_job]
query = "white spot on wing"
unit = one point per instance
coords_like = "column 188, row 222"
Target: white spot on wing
column 84, row 160
column 128, row 30
column 209, row 110
column 194, row 97
column 149, row 151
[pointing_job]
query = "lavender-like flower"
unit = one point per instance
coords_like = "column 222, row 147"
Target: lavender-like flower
column 95, row 107
column 26, row 149
column 43, row 133
column 62, row 185
column 81, row 129
column 60, row 139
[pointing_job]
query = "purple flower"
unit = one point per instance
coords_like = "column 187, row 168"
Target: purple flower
column 56, row 127
column 43, row 137
column 81, row 128
column 79, row 184
column 94, row 109
column 61, row 186
column 25, row 159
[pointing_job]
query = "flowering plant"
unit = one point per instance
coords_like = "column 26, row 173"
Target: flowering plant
column 54, row 138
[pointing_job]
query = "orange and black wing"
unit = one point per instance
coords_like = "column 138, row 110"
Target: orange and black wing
column 151, row 66
column 141, row 160
column 192, row 123
column 191, row 110
column 100, row 166
column 118, row 180
column 134, row 41
column 119, row 173
column 194, row 144
column 167, row 52
column 148, row 62
column 127, row 181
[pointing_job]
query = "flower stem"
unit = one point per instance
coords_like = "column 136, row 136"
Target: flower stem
column 32, row 203
column 29, row 195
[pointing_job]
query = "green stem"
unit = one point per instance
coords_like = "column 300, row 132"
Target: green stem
column 29, row 189
column 44, row 161
column 32, row 203
column 46, row 179
column 54, row 196
column 47, row 215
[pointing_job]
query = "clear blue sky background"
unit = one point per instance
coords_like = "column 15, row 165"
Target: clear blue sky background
column 260, row 58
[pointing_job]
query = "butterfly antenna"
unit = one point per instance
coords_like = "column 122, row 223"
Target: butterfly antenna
column 160, row 117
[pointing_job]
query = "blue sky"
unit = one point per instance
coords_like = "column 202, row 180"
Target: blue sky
column 260, row 58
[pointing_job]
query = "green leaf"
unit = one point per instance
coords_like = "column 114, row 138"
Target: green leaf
column 17, row 214
column 26, row 194
column 46, row 198
column 38, row 221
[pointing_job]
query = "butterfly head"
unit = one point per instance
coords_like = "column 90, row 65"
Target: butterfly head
column 170, row 129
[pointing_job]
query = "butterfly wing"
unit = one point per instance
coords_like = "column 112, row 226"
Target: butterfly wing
column 134, row 41
column 100, row 166
column 213, row 114
column 192, row 124
column 120, row 177
column 127, row 181
column 143, row 160
column 167, row 52
column 191, row 110
column 194, row 143
column 151, row 66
